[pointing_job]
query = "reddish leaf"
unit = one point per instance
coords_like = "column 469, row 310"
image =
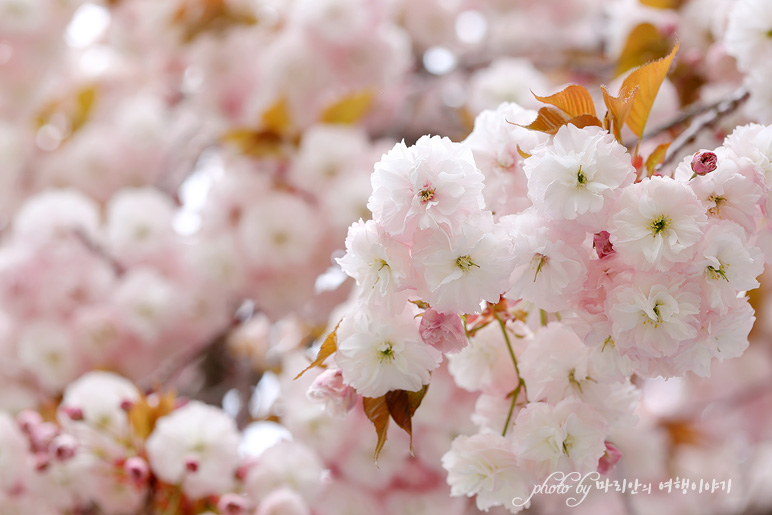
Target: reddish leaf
column 549, row 120
column 276, row 118
column 402, row 406
column 656, row 157
column 349, row 109
column 574, row 101
column 618, row 110
column 585, row 120
column 329, row 346
column 644, row 44
column 647, row 79
column 378, row 412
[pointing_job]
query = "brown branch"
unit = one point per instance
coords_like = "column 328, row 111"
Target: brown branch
column 708, row 119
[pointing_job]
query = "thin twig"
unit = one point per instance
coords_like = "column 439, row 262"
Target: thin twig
column 707, row 119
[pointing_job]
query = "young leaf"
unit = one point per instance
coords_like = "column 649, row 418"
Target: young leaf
column 644, row 44
column 618, row 110
column 585, row 120
column 663, row 4
column 402, row 406
column 329, row 346
column 255, row 143
column 378, row 412
column 656, row 157
column 648, row 78
column 574, row 101
column 349, row 109
column 549, row 120
column 276, row 118
column 143, row 414
column 523, row 153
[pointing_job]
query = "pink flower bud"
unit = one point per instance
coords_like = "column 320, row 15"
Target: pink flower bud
column 73, row 413
column 704, row 162
column 137, row 469
column 28, row 420
column 232, row 504
column 603, row 246
column 42, row 436
column 191, row 464
column 126, row 405
column 444, row 332
column 63, row 447
column 329, row 388
column 609, row 458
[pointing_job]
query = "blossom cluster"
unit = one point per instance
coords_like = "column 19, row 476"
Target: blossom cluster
column 176, row 182
column 112, row 447
column 641, row 274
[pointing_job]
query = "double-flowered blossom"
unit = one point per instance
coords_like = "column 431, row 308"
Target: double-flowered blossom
column 644, row 274
column 578, row 172
column 432, row 184
column 486, row 466
column 656, row 223
column 196, row 446
column 566, row 437
column 378, row 353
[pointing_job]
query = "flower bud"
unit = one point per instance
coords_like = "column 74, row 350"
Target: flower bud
column 704, row 162
column 73, row 413
column 43, row 435
column 137, row 469
column 328, row 387
column 232, row 504
column 28, row 420
column 444, row 332
column 63, row 447
column 191, row 464
column 609, row 458
column 603, row 246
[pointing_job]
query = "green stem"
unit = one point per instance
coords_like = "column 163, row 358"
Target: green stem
column 543, row 317
column 520, row 382
column 174, row 502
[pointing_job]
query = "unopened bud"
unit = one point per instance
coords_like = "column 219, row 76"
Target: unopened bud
column 609, row 458
column 191, row 464
column 137, row 469
column 602, row 243
column 28, row 420
column 42, row 436
column 328, row 387
column 63, row 447
column 73, row 413
column 704, row 163
column 232, row 504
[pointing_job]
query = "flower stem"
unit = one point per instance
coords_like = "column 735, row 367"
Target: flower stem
column 520, row 382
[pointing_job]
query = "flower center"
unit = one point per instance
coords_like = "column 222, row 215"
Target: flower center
column 538, row 261
column 659, row 224
column 719, row 201
column 647, row 318
column 567, row 444
column 426, row 194
column 385, row 352
column 717, row 273
column 465, row 263
column 581, row 179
